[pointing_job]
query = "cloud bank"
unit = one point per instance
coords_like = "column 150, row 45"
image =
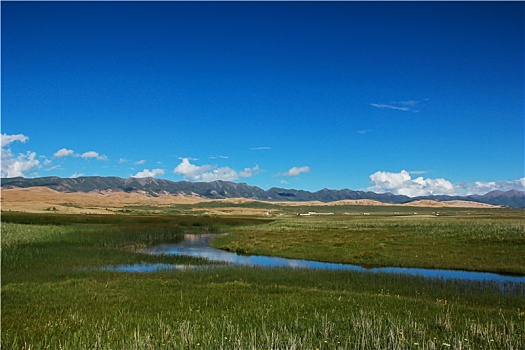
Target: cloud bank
column 402, row 183
column 208, row 173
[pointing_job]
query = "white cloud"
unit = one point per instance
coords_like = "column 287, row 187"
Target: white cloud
column 402, row 183
column 122, row 160
column 140, row 162
column 8, row 139
column 224, row 173
column 480, row 187
column 75, row 175
column 208, row 173
column 263, row 148
column 249, row 172
column 64, row 152
column 295, row 171
column 93, row 154
column 148, row 173
column 190, row 171
column 12, row 166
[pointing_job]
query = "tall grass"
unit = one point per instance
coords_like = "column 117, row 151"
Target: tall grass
column 242, row 308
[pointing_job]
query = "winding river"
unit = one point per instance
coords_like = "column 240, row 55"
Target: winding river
column 198, row 245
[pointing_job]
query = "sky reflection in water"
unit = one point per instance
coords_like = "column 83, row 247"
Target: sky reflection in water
column 199, row 246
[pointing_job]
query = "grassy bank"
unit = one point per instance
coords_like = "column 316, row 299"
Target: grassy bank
column 479, row 243
column 53, row 298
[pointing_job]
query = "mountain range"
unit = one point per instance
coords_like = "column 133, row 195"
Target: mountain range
column 225, row 189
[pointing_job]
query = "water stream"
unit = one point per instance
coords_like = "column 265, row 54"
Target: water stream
column 199, row 246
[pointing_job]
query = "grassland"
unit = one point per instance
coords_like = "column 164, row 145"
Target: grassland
column 476, row 242
column 54, row 296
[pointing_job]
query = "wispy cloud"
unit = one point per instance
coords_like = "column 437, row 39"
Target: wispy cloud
column 363, row 132
column 384, row 106
column 218, row 157
column 263, row 148
column 140, row 162
column 404, row 106
column 53, row 168
column 418, row 172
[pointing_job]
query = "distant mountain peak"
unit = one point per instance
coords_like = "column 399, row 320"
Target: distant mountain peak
column 224, row 189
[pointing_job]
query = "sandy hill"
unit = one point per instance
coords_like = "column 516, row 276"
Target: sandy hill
column 43, row 199
column 448, row 204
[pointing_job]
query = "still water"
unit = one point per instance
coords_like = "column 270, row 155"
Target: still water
column 199, row 246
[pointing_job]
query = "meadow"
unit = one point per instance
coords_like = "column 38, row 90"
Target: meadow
column 56, row 296
column 459, row 242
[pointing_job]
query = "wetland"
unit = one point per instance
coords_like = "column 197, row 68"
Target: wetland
column 199, row 245
column 57, row 294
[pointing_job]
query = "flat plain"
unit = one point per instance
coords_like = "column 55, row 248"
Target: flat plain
column 57, row 295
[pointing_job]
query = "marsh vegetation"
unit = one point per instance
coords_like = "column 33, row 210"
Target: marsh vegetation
column 53, row 295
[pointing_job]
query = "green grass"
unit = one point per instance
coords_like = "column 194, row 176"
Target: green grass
column 53, row 299
column 492, row 244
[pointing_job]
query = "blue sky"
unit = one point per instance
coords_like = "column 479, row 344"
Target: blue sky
column 406, row 97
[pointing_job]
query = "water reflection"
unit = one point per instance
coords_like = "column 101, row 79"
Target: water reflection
column 150, row 267
column 199, row 246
